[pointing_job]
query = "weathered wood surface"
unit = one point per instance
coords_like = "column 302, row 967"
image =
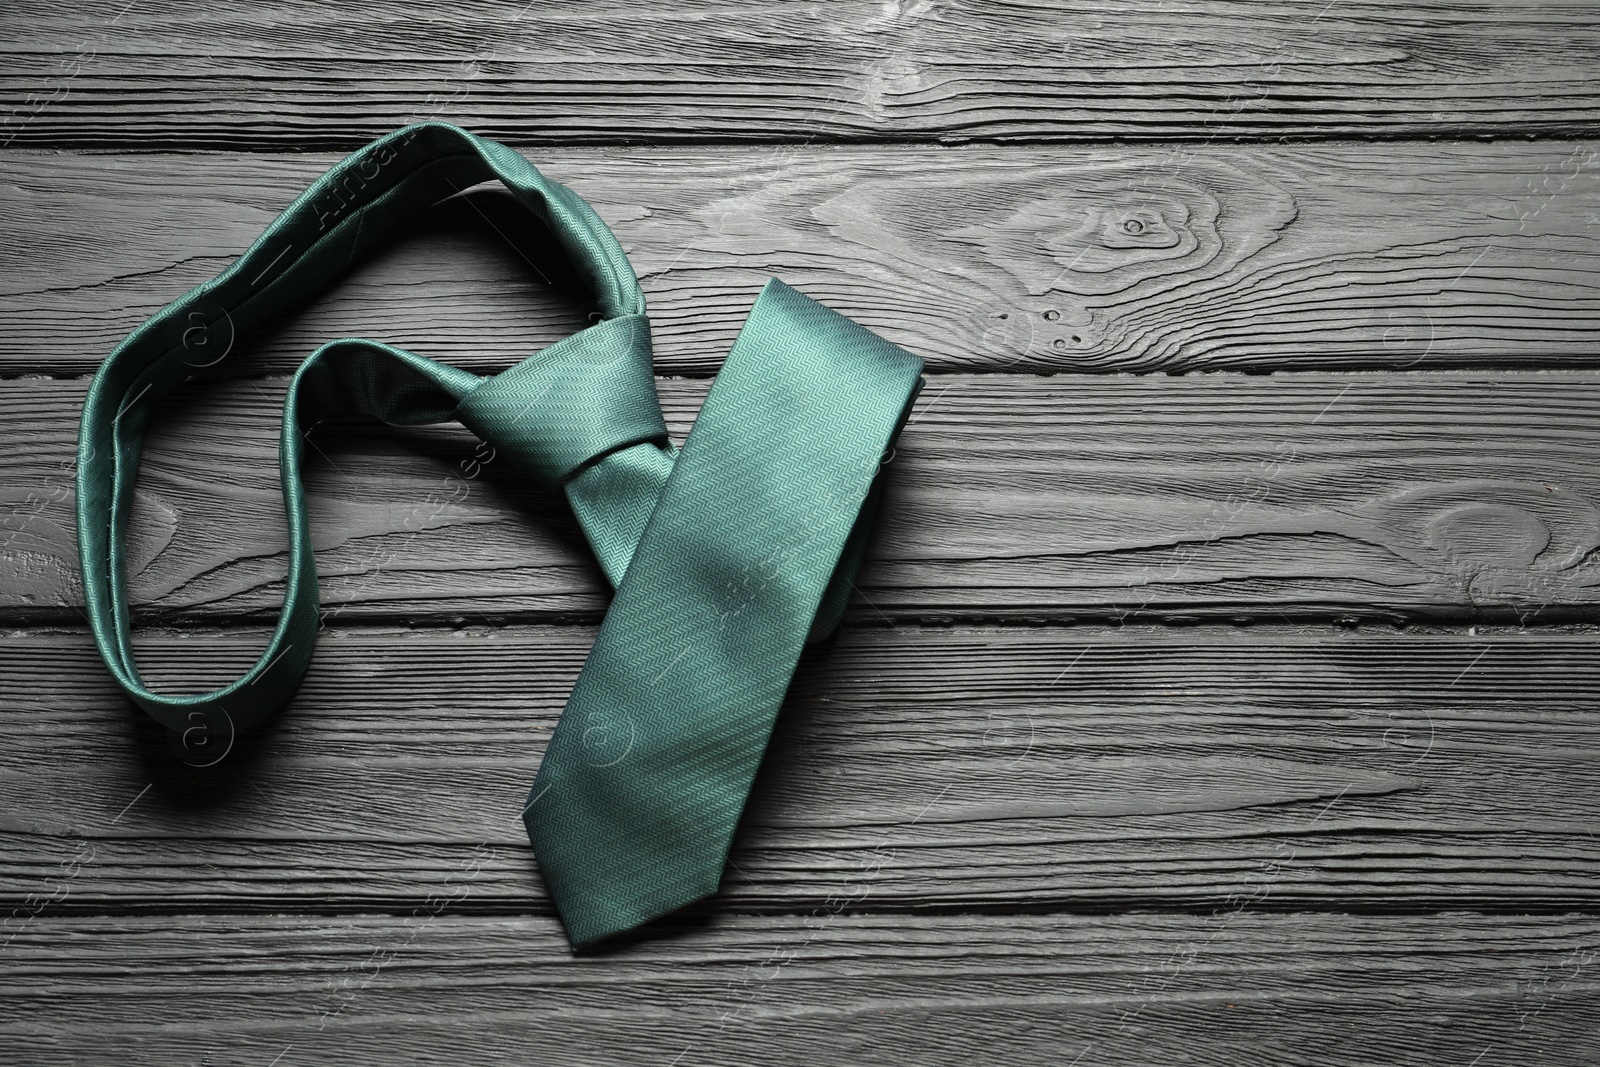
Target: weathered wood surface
column 1462, row 495
column 298, row 72
column 1214, row 844
column 968, row 769
column 1237, row 988
column 1082, row 259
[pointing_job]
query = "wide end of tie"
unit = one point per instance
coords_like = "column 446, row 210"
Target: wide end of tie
column 646, row 777
column 585, row 929
column 601, row 884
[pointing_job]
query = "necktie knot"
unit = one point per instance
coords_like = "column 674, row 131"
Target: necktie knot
column 581, row 399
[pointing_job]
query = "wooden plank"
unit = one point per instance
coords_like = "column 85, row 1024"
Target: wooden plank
column 1470, row 496
column 823, row 988
column 1084, row 259
column 1027, row 769
column 298, row 72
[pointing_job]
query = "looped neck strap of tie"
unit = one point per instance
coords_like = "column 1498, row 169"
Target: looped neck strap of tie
column 727, row 555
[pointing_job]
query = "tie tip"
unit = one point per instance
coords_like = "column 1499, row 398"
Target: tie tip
column 591, row 923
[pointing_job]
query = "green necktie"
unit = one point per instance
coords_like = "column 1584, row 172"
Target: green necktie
column 728, row 555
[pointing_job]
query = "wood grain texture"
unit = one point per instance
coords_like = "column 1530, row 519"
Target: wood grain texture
column 1248, row 988
column 1469, row 496
column 301, row 73
column 927, row 769
column 1081, row 259
column 1214, row 844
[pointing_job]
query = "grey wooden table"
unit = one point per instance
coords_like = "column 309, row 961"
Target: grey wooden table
column 1223, row 687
